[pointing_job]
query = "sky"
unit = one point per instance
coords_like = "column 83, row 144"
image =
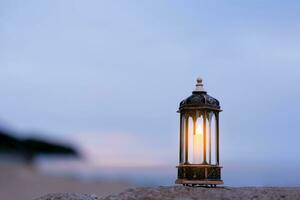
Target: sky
column 109, row 75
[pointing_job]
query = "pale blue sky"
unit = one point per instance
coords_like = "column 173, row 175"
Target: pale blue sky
column 75, row 69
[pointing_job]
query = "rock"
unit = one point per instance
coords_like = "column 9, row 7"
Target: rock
column 189, row 193
column 201, row 193
column 68, row 196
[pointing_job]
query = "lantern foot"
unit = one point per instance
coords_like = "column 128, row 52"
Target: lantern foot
column 199, row 183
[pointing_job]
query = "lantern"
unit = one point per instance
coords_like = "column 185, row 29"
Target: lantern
column 199, row 140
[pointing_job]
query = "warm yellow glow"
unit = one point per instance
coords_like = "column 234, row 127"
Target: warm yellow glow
column 199, row 130
column 198, row 144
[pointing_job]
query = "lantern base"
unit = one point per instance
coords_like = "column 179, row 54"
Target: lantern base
column 199, row 174
column 186, row 182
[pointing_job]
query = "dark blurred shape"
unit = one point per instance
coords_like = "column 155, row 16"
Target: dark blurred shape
column 29, row 148
column 37, row 146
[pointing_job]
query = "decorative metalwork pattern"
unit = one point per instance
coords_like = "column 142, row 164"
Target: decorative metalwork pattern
column 199, row 99
column 199, row 173
column 214, row 173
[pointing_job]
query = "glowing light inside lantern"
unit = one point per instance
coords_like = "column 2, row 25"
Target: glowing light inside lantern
column 199, row 129
column 198, row 144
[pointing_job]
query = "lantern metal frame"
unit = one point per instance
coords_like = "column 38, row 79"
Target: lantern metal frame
column 199, row 104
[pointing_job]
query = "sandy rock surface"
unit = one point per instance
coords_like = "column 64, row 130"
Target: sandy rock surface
column 68, row 196
column 188, row 193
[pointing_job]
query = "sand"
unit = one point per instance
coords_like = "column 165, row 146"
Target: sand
column 18, row 182
column 187, row 193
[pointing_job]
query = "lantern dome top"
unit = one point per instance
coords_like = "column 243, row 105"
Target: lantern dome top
column 199, row 99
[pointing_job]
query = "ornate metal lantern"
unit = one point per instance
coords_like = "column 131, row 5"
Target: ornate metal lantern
column 199, row 139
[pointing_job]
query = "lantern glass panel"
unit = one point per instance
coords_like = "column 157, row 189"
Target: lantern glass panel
column 213, row 133
column 198, row 141
column 190, row 140
column 182, row 140
column 208, row 140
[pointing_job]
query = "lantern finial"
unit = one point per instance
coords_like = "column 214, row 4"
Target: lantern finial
column 199, row 85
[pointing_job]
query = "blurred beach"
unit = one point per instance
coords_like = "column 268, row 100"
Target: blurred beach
column 54, row 174
column 21, row 182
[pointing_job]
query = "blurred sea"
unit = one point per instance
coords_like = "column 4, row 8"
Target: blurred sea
column 233, row 174
column 83, row 170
